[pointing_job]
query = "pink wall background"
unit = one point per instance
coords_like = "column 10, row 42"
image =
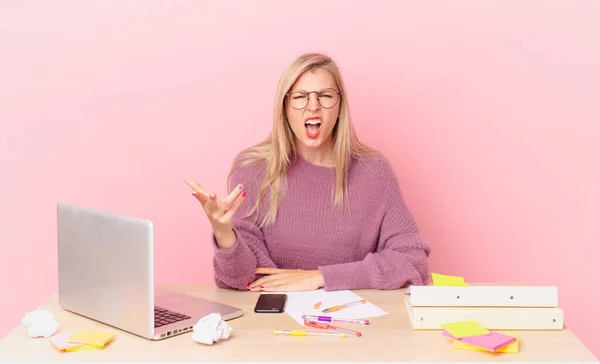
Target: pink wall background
column 489, row 111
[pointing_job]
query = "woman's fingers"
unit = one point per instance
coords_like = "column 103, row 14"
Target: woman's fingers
column 197, row 190
column 235, row 206
column 283, row 282
column 211, row 207
column 233, row 195
column 269, row 270
column 278, row 288
column 274, row 280
column 271, row 274
column 267, row 280
column 207, row 199
column 261, row 281
column 290, row 282
column 219, row 213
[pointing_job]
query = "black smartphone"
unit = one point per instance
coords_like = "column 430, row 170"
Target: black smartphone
column 270, row 303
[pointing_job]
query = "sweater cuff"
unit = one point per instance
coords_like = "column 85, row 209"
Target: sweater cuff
column 345, row 276
column 233, row 254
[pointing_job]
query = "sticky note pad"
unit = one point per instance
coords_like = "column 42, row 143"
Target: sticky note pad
column 465, row 328
column 495, row 341
column 491, row 342
column 85, row 347
column 444, row 280
column 61, row 342
column 92, row 337
column 512, row 348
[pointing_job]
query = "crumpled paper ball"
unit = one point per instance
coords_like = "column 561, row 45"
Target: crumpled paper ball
column 211, row 329
column 40, row 323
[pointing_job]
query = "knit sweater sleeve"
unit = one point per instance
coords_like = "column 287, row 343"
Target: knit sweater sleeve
column 401, row 255
column 235, row 267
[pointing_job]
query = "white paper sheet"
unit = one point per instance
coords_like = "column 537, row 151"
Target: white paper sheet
column 302, row 303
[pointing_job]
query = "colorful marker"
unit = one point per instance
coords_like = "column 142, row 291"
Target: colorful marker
column 334, row 319
column 306, row 333
column 340, row 307
column 320, row 325
column 317, row 305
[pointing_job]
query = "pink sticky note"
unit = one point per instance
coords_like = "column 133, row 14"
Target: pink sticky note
column 491, row 342
column 61, row 342
column 447, row 334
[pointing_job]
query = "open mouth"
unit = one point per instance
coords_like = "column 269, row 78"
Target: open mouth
column 312, row 127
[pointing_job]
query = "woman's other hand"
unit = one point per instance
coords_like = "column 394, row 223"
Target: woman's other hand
column 287, row 280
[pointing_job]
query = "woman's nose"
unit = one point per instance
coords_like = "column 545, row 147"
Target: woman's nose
column 313, row 102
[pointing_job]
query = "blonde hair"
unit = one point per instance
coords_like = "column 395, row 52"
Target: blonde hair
column 278, row 150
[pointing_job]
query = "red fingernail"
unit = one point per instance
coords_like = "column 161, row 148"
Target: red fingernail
column 240, row 187
column 244, row 194
column 262, row 286
column 193, row 193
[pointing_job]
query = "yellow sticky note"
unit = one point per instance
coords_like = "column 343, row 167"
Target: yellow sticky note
column 92, row 337
column 465, row 328
column 445, row 280
column 85, row 347
column 512, row 348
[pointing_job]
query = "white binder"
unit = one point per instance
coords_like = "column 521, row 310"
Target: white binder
column 484, row 296
column 492, row 318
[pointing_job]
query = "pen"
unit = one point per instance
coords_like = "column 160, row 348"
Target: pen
column 334, row 319
column 340, row 307
column 320, row 325
column 307, row 333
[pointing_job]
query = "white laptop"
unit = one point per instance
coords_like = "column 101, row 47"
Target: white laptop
column 106, row 273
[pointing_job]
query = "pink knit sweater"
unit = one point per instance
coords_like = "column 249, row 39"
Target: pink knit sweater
column 373, row 244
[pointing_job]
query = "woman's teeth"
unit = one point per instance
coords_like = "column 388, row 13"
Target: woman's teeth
column 312, row 128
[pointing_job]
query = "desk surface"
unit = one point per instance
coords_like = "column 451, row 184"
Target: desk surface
column 388, row 338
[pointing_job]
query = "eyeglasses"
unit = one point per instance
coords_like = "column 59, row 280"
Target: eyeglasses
column 327, row 98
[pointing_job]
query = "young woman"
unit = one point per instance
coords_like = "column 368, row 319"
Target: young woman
column 311, row 207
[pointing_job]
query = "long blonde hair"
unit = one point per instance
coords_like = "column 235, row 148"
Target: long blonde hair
column 278, row 150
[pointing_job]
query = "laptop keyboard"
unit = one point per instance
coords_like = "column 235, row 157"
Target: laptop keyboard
column 164, row 317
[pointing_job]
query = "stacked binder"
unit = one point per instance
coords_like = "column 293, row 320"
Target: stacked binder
column 494, row 307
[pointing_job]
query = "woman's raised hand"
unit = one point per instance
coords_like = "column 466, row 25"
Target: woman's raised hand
column 219, row 213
